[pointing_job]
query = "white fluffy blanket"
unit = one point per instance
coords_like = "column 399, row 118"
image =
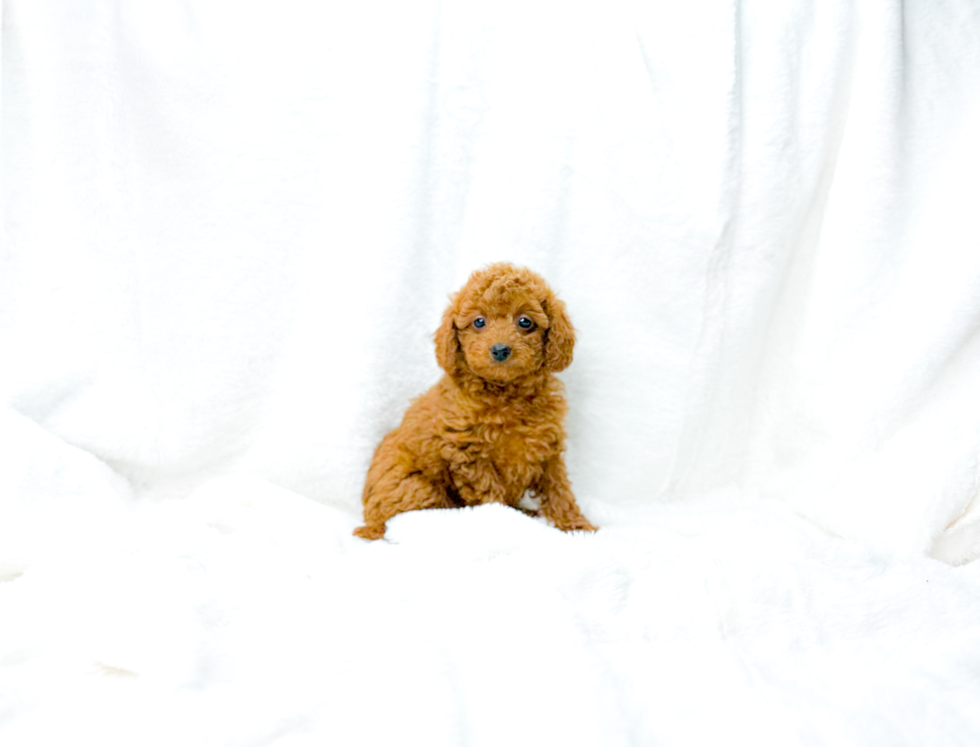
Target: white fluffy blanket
column 229, row 230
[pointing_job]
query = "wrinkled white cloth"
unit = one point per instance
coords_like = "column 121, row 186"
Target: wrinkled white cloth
column 228, row 232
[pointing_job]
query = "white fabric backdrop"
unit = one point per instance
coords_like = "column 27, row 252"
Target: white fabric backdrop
column 229, row 231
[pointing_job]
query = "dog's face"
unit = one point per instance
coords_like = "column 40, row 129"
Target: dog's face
column 504, row 324
column 503, row 339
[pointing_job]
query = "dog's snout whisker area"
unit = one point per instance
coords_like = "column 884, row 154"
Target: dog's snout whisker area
column 500, row 352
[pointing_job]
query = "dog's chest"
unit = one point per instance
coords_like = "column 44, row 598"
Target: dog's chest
column 516, row 447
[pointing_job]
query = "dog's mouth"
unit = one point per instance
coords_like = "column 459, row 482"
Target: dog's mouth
column 499, row 362
column 500, row 370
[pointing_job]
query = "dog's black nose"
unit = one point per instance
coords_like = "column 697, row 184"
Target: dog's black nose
column 500, row 352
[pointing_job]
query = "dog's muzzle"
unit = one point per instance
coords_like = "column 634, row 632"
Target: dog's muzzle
column 500, row 353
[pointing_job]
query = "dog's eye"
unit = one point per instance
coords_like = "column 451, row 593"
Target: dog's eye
column 525, row 323
column 479, row 322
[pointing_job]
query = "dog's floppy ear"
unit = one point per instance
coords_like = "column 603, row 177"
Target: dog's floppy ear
column 560, row 337
column 447, row 345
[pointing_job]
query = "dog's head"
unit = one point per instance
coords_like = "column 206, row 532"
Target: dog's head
column 503, row 324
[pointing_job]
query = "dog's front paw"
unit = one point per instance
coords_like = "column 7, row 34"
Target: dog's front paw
column 577, row 524
column 370, row 532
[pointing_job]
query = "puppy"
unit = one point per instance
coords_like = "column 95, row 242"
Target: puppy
column 492, row 428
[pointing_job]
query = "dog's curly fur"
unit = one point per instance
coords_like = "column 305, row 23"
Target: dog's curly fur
column 492, row 428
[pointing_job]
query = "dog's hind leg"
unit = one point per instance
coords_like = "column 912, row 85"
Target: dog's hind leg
column 393, row 492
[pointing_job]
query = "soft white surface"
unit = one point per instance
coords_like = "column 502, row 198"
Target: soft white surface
column 228, row 233
column 249, row 615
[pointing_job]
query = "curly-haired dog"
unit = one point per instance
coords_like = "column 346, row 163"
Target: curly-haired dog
column 491, row 429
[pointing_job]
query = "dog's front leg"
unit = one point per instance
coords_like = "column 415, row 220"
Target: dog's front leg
column 557, row 500
column 478, row 482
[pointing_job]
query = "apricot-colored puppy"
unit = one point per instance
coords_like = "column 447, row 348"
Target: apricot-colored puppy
column 492, row 428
